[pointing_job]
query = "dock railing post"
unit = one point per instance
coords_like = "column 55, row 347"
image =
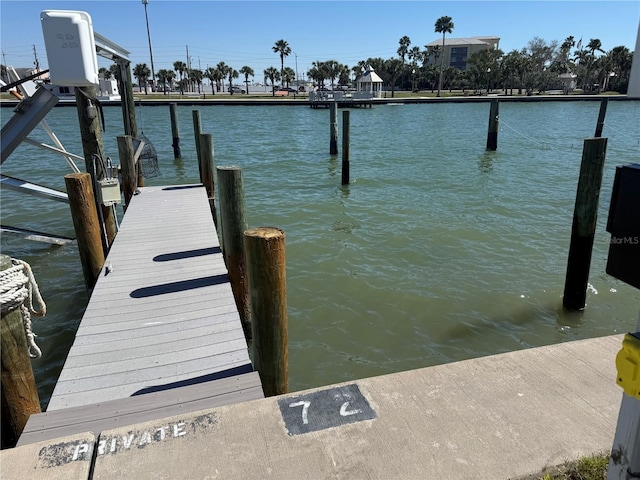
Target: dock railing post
column 19, row 391
column 205, row 162
column 128, row 167
column 583, row 229
column 333, row 140
column 233, row 223
column 265, row 250
column 346, row 147
column 492, row 131
column 86, row 225
column 175, row 130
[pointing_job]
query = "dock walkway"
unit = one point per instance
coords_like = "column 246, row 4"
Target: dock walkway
column 161, row 317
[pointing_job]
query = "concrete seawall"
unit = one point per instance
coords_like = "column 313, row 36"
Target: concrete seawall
column 498, row 417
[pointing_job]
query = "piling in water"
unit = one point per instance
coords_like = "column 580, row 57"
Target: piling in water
column 175, row 131
column 197, row 130
column 601, row 114
column 265, row 250
column 345, row 147
column 205, row 162
column 127, row 167
column 86, row 225
column 93, row 148
column 492, row 131
column 333, row 139
column 583, row 228
column 233, row 223
column 19, row 391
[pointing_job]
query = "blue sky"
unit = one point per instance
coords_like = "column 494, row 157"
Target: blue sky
column 243, row 32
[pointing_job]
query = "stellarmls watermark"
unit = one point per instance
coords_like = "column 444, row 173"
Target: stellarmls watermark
column 623, row 240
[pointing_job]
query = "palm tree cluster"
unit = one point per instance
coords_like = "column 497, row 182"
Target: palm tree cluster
column 539, row 66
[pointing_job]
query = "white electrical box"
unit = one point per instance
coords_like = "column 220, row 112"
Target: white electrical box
column 71, row 48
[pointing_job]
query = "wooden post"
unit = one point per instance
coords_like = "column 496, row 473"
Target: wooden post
column 583, row 229
column 129, row 175
column 175, row 131
column 603, row 112
column 264, row 248
column 19, row 392
column 333, row 141
column 345, row 147
column 125, row 87
column 205, row 162
column 492, row 132
column 86, row 225
column 89, row 119
column 197, row 130
column 233, row 224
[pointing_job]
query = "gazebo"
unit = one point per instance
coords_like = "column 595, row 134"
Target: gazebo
column 370, row 82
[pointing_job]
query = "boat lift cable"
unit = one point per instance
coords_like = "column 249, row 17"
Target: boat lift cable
column 5, row 88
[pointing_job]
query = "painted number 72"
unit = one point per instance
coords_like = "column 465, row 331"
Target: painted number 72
column 305, row 410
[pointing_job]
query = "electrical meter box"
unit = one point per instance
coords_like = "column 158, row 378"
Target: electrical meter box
column 624, row 225
column 71, row 49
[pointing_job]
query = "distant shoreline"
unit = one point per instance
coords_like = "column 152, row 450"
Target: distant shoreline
column 304, row 102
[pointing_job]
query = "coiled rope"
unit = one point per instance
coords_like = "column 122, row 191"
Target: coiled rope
column 18, row 289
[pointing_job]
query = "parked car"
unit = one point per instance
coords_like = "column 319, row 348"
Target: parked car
column 238, row 90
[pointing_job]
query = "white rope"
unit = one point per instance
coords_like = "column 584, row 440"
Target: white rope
column 18, row 289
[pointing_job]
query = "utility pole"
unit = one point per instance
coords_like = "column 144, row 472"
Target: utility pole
column 188, row 69
column 153, row 73
column 36, row 63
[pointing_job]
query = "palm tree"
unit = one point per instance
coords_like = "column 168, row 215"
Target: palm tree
column 403, row 49
column 247, row 71
column 195, row 76
column 214, row 76
column 180, row 68
column 289, row 76
column 232, row 73
column 223, row 70
column 272, row 74
column 142, row 72
column 282, row 47
column 443, row 25
column 165, row 76
column 115, row 71
column 393, row 67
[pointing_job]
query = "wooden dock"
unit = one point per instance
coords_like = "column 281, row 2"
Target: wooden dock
column 161, row 333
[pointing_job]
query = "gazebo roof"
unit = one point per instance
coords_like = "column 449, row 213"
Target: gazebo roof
column 370, row 76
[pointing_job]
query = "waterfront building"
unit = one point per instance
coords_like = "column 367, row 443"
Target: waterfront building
column 458, row 50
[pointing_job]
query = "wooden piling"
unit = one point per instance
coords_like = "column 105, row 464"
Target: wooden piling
column 19, row 391
column 346, row 138
column 333, row 139
column 265, row 250
column 206, row 167
column 86, row 225
column 585, row 215
column 175, row 131
column 128, row 167
column 492, row 131
column 92, row 145
column 603, row 112
column 233, row 224
column 197, row 130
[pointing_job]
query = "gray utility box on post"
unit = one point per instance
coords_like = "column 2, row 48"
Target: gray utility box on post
column 624, row 226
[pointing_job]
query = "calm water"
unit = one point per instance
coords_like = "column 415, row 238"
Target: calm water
column 437, row 251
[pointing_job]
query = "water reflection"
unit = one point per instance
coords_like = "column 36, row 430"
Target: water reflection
column 485, row 162
column 178, row 163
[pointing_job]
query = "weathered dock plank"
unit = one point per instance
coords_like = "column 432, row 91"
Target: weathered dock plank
column 115, row 413
column 162, row 312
